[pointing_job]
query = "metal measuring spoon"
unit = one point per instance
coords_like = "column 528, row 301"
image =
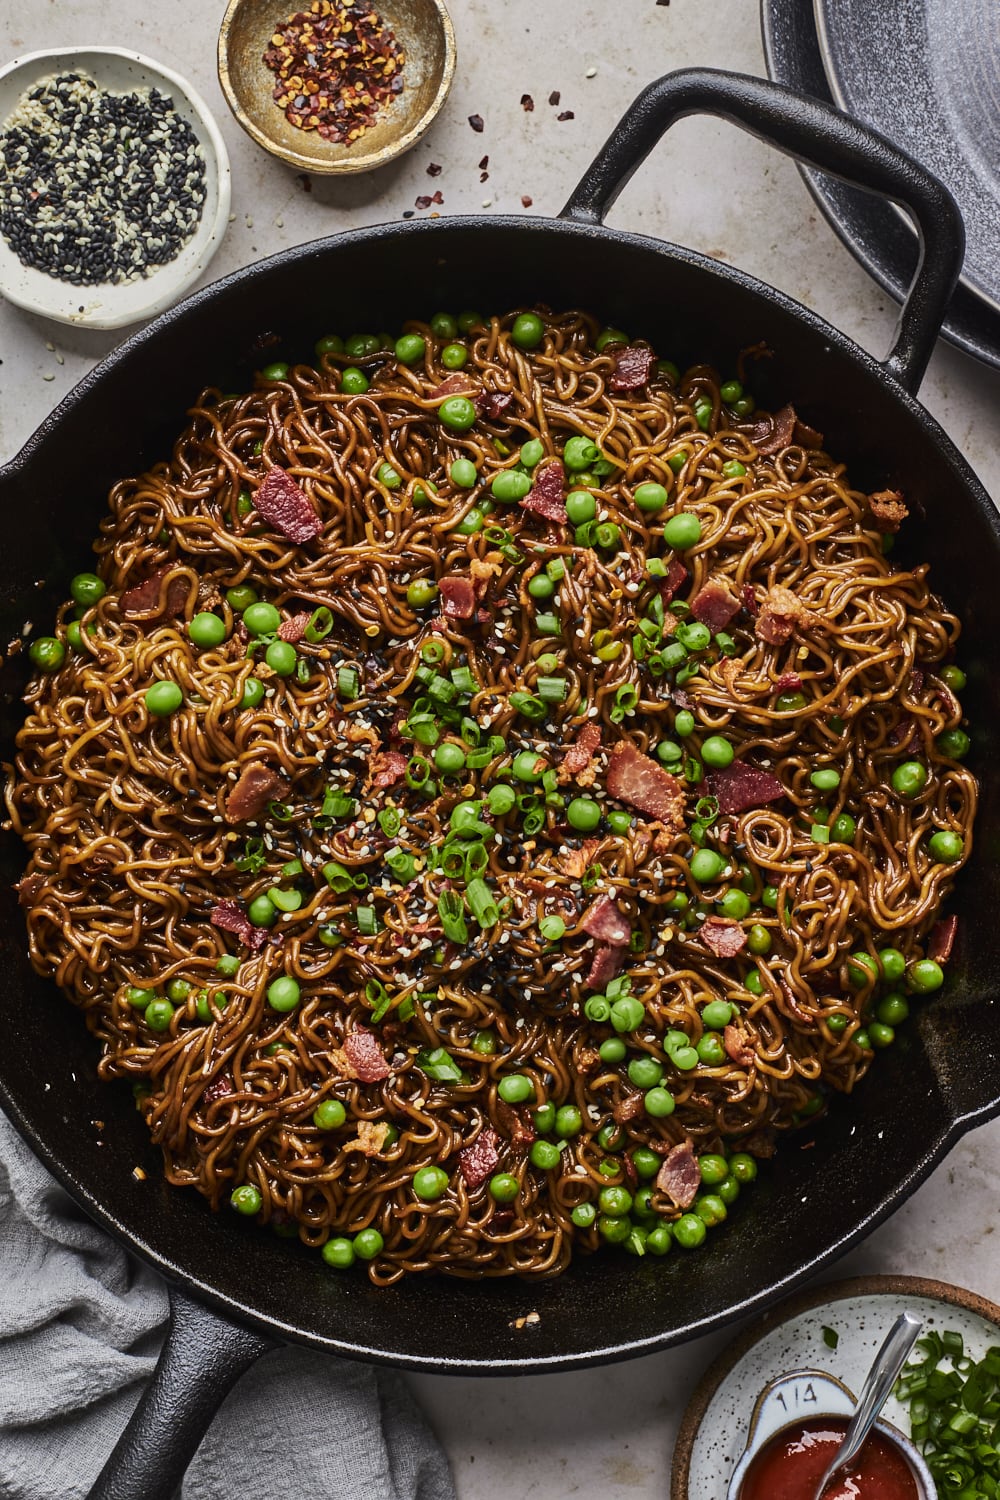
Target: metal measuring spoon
column 877, row 1388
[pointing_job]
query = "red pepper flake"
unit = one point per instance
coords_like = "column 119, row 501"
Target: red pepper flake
column 424, row 201
column 527, row 103
column 554, row 97
column 433, row 169
column 478, row 124
column 526, row 202
column 567, row 114
column 437, row 198
column 484, row 164
column 484, row 177
column 336, row 64
column 305, row 180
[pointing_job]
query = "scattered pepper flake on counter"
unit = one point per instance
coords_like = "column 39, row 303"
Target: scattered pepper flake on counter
column 478, row 123
column 554, row 97
column 567, row 114
column 527, row 103
column 526, row 202
column 433, row 169
column 337, row 64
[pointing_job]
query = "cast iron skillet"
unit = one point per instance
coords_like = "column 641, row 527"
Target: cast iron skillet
column 236, row 1289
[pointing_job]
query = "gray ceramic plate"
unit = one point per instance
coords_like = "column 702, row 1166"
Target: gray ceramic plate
column 926, row 73
column 874, row 233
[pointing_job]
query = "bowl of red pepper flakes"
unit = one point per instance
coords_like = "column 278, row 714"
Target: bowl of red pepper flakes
column 336, row 86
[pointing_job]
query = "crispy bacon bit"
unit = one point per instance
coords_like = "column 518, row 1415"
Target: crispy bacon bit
column 725, row 938
column 476, row 1162
column 554, row 97
column 714, row 605
column 575, row 862
column 603, row 920
column 587, row 1059
column 526, row 201
column 482, row 570
column 605, row 964
column 676, row 575
column 458, row 598
column 769, row 434
column 371, row 1137
column 567, row 114
column 492, row 404
column 148, row 600
column 257, row 786
column 219, row 1088
column 781, row 613
column 633, row 366
column 387, row 768
column 637, row 779
column 454, row 385
column 888, row 509
column 749, row 600
column 28, row 888
column 737, row 1044
column 902, row 736
column 547, row 494
column 229, row 916
column 680, row 1175
column 294, row 629
column 740, row 786
column 788, row 682
column 286, row 507
column 364, row 1053
column 517, row 1124
column 942, row 939
column 628, row 1107
column 792, row 1004
column 582, row 751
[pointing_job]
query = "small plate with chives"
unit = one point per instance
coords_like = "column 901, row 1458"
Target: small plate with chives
column 143, row 185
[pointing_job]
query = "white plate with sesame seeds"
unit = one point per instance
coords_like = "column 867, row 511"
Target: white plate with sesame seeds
column 107, row 303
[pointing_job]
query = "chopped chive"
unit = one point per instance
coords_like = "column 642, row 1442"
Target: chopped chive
column 481, row 903
column 452, row 915
column 367, row 921
column 552, row 689
column 320, row 625
column 390, row 821
column 348, row 683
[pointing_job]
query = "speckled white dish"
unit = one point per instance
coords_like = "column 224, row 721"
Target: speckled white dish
column 714, row 1429
column 115, row 306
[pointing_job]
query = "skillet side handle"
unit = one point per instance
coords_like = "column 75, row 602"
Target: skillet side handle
column 822, row 137
column 203, row 1357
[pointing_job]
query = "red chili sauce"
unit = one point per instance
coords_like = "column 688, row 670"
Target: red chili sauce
column 792, row 1463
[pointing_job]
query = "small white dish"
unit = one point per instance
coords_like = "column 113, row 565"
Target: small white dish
column 116, row 305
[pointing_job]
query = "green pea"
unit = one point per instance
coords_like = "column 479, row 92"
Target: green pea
column 163, row 699
column 659, row 1239
column 734, row 469
column 684, row 723
column 358, row 345
column 581, row 507
column 579, row 453
column 421, row 592
column 703, row 413
column 645, row 1072
column 711, row 1209
column 731, row 391
column 892, row 964
column 500, row 800
column 584, row 1215
column 283, row 994
column 627, row 1014
column 541, row 586
column 714, row 1169
column 353, row 382
column 330, row 1114
column 717, row 1014
column 651, row 497
column 613, row 1050
column 367, row 1244
column 528, row 331
column 529, row 766
column 609, row 336
column 485, row 1043
column 515, row 1088
column 954, row 677
column 454, row 356
column 925, row 976
column 735, row 905
column 261, row 619
column 261, row 912
column 139, row 998
column 790, row 703
column 569, row 1121
column 449, row 758
column 711, row 1051
column 893, row 1010
column 676, row 461
column 246, row 1199
column 743, row 1167
column 954, row 743
column 717, row 752
column 862, row 969
column 843, row 829
column 510, row 486
column 430, row 1183
column 837, row 1023
column 646, row 1162
column 614, row 1201
column 754, row 983
column 504, row 1187
column 458, row 413
column 241, row 597
column 388, row 476
column 615, row 1231
column 178, row 990
column 47, row 653
column 706, row 865
column 277, row 371
column 207, row 630
column 74, row 635
column 880, row 1034
column 253, row 693
column 471, row 522
column 658, row 1103
column 339, row 1254
column 282, row 658
column 583, row 814
column 669, row 751
column 769, row 896
column 410, row 348
column 532, row 452
column 690, row 1231
column 759, row 939
column 909, row 779
column 467, row 321
column 87, row 589
column 861, row 1039
column 745, row 406
column 619, row 822
column 444, row 326
column 611, row 1137
column 463, row 472
column 330, row 343
column 158, row 1014
column 544, row 1118
column 946, row 847
column 545, row 1156
column 826, row 779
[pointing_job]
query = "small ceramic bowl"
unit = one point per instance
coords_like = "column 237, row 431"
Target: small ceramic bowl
column 424, row 31
column 116, row 305
column 807, row 1395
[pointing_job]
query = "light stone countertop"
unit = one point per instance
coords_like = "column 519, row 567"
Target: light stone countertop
column 606, row 1432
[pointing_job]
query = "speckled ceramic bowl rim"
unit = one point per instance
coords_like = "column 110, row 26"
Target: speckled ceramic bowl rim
column 323, row 166
column 793, row 1307
column 167, row 282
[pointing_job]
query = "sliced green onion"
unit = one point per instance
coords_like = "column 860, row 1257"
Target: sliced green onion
column 390, row 821
column 280, row 811
column 552, row 689
column 423, row 727
column 402, row 864
column 348, row 683
column 377, row 996
column 338, row 877
column 552, row 928
column 439, row 1065
column 534, row 822
column 463, row 679
column 481, row 903
column 367, row 921
column 432, row 651
column 529, row 705
column 320, row 625
column 452, row 914
column 548, row 624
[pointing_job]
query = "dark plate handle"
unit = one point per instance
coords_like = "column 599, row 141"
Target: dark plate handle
column 203, row 1357
column 816, row 134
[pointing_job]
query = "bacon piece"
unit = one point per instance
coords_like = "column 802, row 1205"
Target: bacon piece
column 454, row 385
column 749, row 600
column 286, row 507
column 633, row 366
column 458, row 598
column 604, row 921
column 769, row 434
column 371, row 1137
column 605, row 964
column 637, row 779
column 387, row 768
column 364, row 1053
column 680, row 1175
column 723, row 937
column 229, row 916
column 737, row 1044
column 492, row 404
column 294, row 629
column 482, row 571
column 942, row 939
column 257, row 786
column 740, row 786
column 576, row 763
column 517, row 1124
column 781, row 613
column 476, row 1162
column 547, row 494
column 714, row 605
column 677, row 574
column 148, row 599
column 788, row 682
column 888, row 509
column 902, row 736
column 28, row 888
column 219, row 1088
column 792, row 1004
column 575, row 862
column 628, row 1107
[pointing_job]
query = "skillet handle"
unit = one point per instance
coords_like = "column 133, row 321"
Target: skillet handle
column 203, row 1357
column 821, row 136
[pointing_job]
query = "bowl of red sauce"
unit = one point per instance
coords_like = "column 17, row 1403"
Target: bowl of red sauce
column 798, row 1423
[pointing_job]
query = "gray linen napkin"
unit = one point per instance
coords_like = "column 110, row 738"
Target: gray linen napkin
column 81, row 1324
